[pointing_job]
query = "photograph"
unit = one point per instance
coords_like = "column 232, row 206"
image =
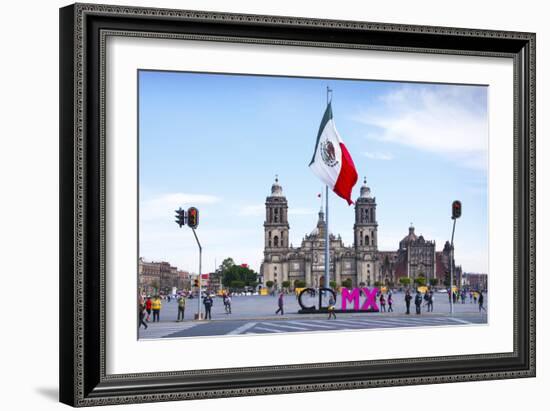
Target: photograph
column 284, row 204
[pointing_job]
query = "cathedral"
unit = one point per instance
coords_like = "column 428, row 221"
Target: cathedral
column 361, row 263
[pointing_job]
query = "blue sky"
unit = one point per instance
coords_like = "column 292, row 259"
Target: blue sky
column 216, row 141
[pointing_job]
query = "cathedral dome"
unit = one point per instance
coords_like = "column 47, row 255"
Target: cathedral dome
column 408, row 238
column 365, row 191
column 276, row 189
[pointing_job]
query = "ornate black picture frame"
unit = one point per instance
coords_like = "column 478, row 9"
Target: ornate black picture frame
column 83, row 30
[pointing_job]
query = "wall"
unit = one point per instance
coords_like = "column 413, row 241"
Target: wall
column 29, row 206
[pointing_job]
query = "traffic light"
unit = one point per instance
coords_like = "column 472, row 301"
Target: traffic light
column 457, row 209
column 196, row 282
column 193, row 217
column 180, row 217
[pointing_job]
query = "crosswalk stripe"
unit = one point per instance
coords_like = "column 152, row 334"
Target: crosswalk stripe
column 458, row 320
column 267, row 329
column 164, row 330
column 285, row 326
column 313, row 324
column 242, row 328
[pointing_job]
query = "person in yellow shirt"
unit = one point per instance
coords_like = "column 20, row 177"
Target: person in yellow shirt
column 156, row 306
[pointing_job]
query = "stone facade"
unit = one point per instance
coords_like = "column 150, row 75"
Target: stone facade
column 361, row 263
column 160, row 276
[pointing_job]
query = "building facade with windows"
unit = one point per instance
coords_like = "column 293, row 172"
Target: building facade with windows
column 156, row 277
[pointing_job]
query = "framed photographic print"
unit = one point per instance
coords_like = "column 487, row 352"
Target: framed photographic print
column 278, row 204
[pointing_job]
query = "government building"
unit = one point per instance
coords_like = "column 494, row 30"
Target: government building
column 362, row 263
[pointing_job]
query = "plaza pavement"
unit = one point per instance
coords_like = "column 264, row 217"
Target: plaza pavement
column 256, row 315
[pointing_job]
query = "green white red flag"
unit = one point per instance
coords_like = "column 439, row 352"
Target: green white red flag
column 331, row 160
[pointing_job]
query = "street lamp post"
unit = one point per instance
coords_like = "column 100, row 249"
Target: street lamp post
column 200, row 276
column 456, row 212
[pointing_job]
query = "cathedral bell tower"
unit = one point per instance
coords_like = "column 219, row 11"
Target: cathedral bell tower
column 365, row 227
column 365, row 232
column 275, row 267
column 276, row 219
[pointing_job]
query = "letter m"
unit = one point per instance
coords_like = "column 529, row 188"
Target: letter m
column 352, row 296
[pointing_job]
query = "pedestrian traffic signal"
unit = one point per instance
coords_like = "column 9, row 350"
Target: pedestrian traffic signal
column 193, row 217
column 196, row 282
column 457, row 209
column 180, row 217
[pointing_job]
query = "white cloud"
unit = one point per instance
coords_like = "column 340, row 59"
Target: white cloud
column 252, row 210
column 449, row 121
column 164, row 205
column 376, row 155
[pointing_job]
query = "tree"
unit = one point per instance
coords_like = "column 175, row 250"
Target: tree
column 333, row 284
column 299, row 284
column 434, row 281
column 237, row 284
column 239, row 273
column 269, row 284
column 405, row 281
column 378, row 283
column 420, row 281
column 286, row 284
column 347, row 283
column 226, row 264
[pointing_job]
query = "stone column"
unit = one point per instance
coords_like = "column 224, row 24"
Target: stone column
column 307, row 262
column 338, row 268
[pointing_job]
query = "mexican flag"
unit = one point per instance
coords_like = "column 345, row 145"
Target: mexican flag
column 331, row 160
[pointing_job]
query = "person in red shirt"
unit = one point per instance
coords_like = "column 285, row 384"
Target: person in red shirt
column 148, row 304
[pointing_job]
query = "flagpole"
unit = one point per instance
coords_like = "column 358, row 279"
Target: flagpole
column 327, row 253
column 327, row 237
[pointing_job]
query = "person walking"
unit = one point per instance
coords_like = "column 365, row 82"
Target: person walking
column 156, row 305
column 382, row 303
column 408, row 298
column 141, row 312
column 228, row 304
column 431, row 301
column 148, row 309
column 480, row 301
column 208, row 303
column 181, row 308
column 418, row 302
column 331, row 312
column 280, row 303
column 390, row 303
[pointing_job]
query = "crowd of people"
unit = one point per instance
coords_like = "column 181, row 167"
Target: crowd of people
column 148, row 305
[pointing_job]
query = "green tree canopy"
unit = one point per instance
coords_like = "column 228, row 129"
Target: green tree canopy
column 347, row 283
column 420, row 281
column 238, row 284
column 405, row 281
column 269, row 284
column 299, row 284
column 238, row 273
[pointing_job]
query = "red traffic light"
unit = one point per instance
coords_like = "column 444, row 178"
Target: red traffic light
column 193, row 217
column 456, row 209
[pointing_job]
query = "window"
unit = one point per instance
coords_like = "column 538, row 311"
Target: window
column 276, row 241
column 367, row 240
